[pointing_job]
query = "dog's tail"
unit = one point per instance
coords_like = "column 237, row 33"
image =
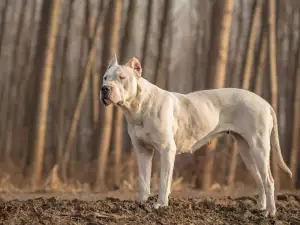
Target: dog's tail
column 275, row 144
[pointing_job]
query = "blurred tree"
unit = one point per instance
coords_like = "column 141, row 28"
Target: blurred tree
column 43, row 71
column 124, row 51
column 118, row 119
column 251, row 45
column 261, row 64
column 25, row 84
column 198, row 50
column 95, row 74
column 159, row 72
column 82, row 93
column 198, row 75
column 198, row 29
column 294, row 156
column 147, row 30
column 2, row 89
column 286, row 69
column 13, row 77
column 247, row 78
column 273, row 77
column 244, row 35
column 62, row 86
column 110, row 48
column 3, row 24
column 217, row 71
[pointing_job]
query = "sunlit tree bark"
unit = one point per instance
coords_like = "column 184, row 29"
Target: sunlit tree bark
column 46, row 43
column 110, row 49
column 219, row 52
column 273, row 76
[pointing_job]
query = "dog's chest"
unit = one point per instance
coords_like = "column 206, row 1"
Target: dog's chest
column 146, row 135
column 140, row 131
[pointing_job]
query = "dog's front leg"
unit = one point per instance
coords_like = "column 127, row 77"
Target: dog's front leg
column 144, row 158
column 167, row 159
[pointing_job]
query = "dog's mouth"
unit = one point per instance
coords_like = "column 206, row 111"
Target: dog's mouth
column 106, row 101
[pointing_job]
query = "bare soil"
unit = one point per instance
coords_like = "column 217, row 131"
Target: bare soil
column 185, row 207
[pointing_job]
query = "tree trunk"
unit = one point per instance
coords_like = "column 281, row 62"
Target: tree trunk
column 233, row 164
column 294, row 157
column 219, row 51
column 131, row 155
column 128, row 31
column 19, row 79
column 197, row 54
column 3, row 24
column 95, row 75
column 147, row 30
column 131, row 165
column 50, row 15
column 208, row 165
column 12, row 99
column 62, row 87
column 246, row 80
column 251, row 45
column 22, row 92
column 273, row 76
column 118, row 120
column 159, row 78
column 110, row 49
column 288, row 71
column 199, row 67
column 243, row 42
column 2, row 90
column 261, row 64
column 79, row 102
column 219, row 47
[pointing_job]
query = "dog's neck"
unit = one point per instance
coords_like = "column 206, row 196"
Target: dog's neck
column 143, row 99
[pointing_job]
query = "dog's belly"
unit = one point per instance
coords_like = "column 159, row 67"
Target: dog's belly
column 187, row 143
column 190, row 130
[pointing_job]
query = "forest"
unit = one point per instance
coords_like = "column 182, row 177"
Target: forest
column 55, row 133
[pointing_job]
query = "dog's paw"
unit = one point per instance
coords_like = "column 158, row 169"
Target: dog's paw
column 272, row 213
column 269, row 214
column 156, row 205
column 143, row 201
column 144, row 198
column 261, row 206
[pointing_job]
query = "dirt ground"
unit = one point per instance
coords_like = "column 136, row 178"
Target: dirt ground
column 185, row 207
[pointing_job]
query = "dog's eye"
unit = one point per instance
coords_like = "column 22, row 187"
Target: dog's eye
column 121, row 77
column 105, row 78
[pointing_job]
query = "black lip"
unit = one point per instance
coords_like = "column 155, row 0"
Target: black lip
column 103, row 102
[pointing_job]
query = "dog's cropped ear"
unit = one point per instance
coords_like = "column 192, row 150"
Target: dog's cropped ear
column 113, row 61
column 135, row 65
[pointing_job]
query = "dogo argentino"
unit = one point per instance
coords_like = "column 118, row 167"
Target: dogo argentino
column 173, row 123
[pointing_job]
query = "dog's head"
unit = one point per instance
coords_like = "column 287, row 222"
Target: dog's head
column 120, row 82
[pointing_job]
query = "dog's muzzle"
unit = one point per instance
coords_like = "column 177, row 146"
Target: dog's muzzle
column 106, row 91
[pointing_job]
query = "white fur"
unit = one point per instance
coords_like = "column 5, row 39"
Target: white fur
column 173, row 123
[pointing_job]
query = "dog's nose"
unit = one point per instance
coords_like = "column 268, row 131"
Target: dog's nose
column 105, row 89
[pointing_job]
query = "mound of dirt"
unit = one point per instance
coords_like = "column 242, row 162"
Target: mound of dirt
column 180, row 211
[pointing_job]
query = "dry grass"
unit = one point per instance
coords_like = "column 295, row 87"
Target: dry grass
column 6, row 185
column 54, row 184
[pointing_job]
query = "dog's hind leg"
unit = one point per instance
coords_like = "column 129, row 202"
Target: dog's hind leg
column 261, row 152
column 250, row 163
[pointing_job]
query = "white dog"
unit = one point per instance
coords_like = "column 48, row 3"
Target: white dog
column 173, row 123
